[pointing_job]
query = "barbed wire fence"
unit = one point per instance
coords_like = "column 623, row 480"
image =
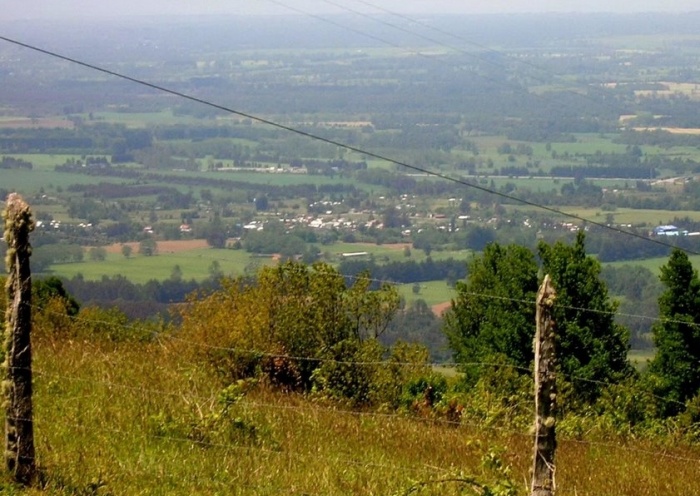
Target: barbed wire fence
column 131, row 389
column 425, row 472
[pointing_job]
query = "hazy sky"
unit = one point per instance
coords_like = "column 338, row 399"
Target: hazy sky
column 48, row 9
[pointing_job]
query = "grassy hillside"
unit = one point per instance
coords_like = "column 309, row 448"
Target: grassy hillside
column 139, row 418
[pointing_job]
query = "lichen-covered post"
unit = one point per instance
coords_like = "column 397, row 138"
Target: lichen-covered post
column 17, row 385
column 543, row 481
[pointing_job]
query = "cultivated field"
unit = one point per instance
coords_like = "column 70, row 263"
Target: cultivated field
column 35, row 123
column 164, row 247
column 194, row 263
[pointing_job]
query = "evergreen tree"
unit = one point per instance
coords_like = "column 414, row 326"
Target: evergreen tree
column 215, row 232
column 493, row 315
column 677, row 335
column 592, row 348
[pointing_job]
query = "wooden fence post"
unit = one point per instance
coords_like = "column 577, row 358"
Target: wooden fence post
column 543, row 473
column 17, row 385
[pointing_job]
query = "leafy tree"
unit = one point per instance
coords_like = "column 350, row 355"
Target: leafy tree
column 215, row 272
column 311, row 254
column 393, row 218
column 262, row 203
column 677, row 335
column 592, row 348
column 493, row 316
column 283, row 321
column 640, row 290
column 215, row 232
column 417, row 323
column 54, row 307
column 493, row 312
column 371, row 311
column 148, row 247
column 52, row 287
column 127, row 250
column 176, row 273
column 478, row 237
column 97, row 254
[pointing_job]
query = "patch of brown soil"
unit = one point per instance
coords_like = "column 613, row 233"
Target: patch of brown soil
column 440, row 308
column 37, row 123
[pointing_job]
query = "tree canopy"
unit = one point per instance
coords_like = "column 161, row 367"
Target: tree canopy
column 286, row 320
column 493, row 314
column 677, row 334
column 592, row 347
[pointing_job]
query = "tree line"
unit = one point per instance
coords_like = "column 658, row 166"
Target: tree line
column 491, row 321
column 310, row 329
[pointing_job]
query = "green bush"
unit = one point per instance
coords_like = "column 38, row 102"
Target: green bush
column 358, row 373
column 350, row 372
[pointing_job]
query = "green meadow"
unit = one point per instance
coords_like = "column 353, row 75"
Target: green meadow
column 194, row 264
column 432, row 292
column 31, row 182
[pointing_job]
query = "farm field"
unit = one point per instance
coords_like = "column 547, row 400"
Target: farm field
column 286, row 384
column 382, row 252
column 31, row 182
column 636, row 217
column 140, row 119
column 194, row 257
column 280, row 178
column 194, row 264
column 547, row 184
column 432, row 292
column 15, row 122
column 640, row 358
column 45, row 162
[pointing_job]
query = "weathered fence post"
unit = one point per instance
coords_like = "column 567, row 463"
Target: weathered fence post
column 543, row 474
column 17, row 386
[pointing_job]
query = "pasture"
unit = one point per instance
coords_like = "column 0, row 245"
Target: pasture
column 136, row 120
column 193, row 263
column 195, row 258
column 380, row 253
column 280, row 178
column 31, row 182
column 640, row 358
column 44, row 161
column 432, row 292
column 649, row 218
column 17, row 122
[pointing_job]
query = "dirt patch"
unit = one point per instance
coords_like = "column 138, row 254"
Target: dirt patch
column 440, row 308
column 173, row 246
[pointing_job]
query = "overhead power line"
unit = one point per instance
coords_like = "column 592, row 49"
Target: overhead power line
column 339, row 144
column 581, row 91
column 348, row 28
column 445, row 32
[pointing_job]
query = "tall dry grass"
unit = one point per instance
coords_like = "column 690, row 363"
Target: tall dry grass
column 136, row 418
